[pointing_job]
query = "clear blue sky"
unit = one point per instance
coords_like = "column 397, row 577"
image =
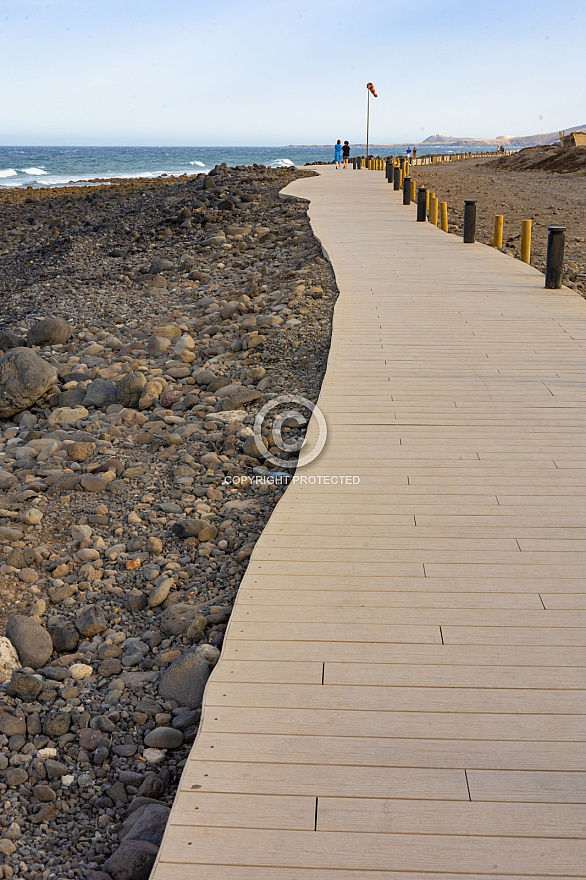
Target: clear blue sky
column 185, row 72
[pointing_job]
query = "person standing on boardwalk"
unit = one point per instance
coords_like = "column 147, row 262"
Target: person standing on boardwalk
column 338, row 154
column 346, row 153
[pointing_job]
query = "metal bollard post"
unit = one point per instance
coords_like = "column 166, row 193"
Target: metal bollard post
column 556, row 240
column 497, row 236
column 444, row 216
column 388, row 169
column 406, row 190
column 421, row 205
column 359, row 162
column 396, row 177
column 469, row 221
column 526, row 241
column 354, row 161
column 413, row 191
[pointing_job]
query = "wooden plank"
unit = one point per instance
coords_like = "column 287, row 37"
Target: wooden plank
column 538, row 786
column 245, row 810
column 403, row 675
column 371, row 851
column 231, row 750
column 169, row 871
column 367, row 652
column 332, row 697
column 316, row 598
column 361, row 613
column 383, row 815
column 405, row 724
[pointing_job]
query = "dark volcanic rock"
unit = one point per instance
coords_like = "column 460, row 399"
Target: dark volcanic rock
column 24, row 377
column 32, row 641
column 185, row 680
column 50, row 331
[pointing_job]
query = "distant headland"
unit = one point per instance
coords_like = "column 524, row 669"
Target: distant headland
column 508, row 141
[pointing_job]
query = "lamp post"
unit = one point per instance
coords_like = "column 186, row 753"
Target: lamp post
column 369, row 90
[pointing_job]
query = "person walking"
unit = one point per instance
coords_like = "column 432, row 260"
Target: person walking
column 346, row 153
column 338, row 154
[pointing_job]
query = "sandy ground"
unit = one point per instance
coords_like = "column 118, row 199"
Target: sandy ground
column 544, row 197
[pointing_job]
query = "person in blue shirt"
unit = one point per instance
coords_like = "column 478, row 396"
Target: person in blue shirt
column 338, row 154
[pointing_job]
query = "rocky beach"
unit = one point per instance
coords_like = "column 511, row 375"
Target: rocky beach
column 144, row 324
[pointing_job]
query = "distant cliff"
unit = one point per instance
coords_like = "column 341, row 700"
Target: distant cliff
column 507, row 141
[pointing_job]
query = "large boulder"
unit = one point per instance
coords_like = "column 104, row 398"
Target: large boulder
column 185, row 680
column 49, row 331
column 24, row 377
column 141, row 837
column 32, row 641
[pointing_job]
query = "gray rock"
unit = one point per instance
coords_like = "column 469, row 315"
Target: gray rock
column 24, row 686
column 9, row 660
column 164, row 738
column 13, row 722
column 160, row 264
column 130, row 389
column 64, row 639
column 49, row 331
column 8, row 340
column 91, row 620
column 185, row 681
column 31, row 640
column 176, row 619
column 133, row 860
column 24, row 377
column 72, row 398
column 100, row 394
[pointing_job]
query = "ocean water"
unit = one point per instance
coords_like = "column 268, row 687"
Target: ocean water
column 59, row 166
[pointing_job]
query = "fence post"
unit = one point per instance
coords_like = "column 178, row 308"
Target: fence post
column 444, row 216
column 526, row 241
column 421, row 204
column 433, row 210
column 556, row 240
column 497, row 236
column 469, row 221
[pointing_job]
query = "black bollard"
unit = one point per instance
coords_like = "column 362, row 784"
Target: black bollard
column 359, row 163
column 469, row 221
column 354, row 164
column 406, row 190
column 421, row 205
column 556, row 240
column 388, row 167
column 396, row 177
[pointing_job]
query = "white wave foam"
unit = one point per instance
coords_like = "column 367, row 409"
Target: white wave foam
column 201, row 164
column 8, row 172
column 37, row 171
column 282, row 163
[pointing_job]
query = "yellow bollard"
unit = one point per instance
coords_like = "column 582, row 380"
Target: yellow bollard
column 413, row 191
column 444, row 216
column 526, row 241
column 401, row 178
column 497, row 236
column 430, row 195
column 433, row 210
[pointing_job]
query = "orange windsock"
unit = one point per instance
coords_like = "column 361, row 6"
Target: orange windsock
column 370, row 88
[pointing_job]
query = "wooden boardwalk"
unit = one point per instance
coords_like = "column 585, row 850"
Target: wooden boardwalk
column 400, row 692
